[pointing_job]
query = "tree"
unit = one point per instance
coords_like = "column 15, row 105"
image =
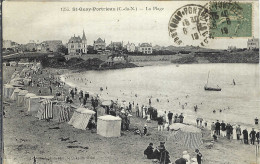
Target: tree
column 62, row 49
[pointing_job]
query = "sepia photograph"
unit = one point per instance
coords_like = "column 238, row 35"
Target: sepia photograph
column 133, row 82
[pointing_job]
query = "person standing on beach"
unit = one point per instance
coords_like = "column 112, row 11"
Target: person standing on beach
column 141, row 112
column 217, row 127
column 252, row 136
column 213, row 128
column 223, row 129
column 256, row 121
column 257, row 137
column 245, row 136
column 50, row 90
column 229, row 130
column 234, row 132
column 175, row 118
column 201, row 119
column 238, row 131
column 181, row 118
column 199, row 156
column 149, row 151
column 170, row 114
column 160, row 123
column 197, row 120
column 137, row 110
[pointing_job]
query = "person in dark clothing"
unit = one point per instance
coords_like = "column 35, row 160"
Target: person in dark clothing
column 164, row 157
column 229, row 130
column 217, row 127
column 181, row 161
column 223, row 129
column 199, row 156
column 181, row 118
column 257, row 137
column 245, row 136
column 256, row 121
column 170, row 114
column 149, row 151
column 145, row 130
column 50, row 90
column 84, row 101
column 150, row 111
column 175, row 118
column 252, row 136
column 160, row 123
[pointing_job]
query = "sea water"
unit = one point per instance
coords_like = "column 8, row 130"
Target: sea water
column 172, row 87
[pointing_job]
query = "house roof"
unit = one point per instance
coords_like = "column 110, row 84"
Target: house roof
column 99, row 40
column 75, row 39
column 145, row 45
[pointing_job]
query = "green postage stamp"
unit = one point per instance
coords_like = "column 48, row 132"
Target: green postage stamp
column 230, row 19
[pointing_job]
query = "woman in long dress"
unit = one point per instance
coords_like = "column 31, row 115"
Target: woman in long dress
column 234, row 132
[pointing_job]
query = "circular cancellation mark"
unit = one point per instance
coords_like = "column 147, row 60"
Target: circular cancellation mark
column 189, row 25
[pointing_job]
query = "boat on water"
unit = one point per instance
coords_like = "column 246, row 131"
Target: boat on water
column 207, row 88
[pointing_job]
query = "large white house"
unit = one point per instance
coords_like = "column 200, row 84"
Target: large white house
column 77, row 45
column 146, row 48
column 130, row 47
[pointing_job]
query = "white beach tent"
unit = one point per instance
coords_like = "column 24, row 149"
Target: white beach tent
column 80, row 118
column 8, row 90
column 20, row 99
column 187, row 135
column 14, row 95
column 33, row 104
column 26, row 99
column 109, row 126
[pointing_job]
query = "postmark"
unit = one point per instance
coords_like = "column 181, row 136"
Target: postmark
column 230, row 19
column 190, row 23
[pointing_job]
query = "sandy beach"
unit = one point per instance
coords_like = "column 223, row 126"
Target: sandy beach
column 50, row 142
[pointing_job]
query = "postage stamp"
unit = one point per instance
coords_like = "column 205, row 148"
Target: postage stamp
column 230, row 19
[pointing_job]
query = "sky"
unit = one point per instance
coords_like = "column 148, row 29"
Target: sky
column 24, row 21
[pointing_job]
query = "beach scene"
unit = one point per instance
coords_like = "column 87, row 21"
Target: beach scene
column 174, row 86
column 169, row 82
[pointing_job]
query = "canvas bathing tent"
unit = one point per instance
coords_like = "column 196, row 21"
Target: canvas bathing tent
column 80, row 118
column 62, row 112
column 187, row 135
column 26, row 99
column 109, row 126
column 46, row 110
column 8, row 90
column 15, row 93
column 20, row 98
column 33, row 104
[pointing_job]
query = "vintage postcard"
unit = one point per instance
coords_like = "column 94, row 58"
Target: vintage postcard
column 130, row 82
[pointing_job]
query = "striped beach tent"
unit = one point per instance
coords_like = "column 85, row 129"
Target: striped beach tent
column 62, row 112
column 187, row 135
column 46, row 110
column 80, row 118
column 8, row 90
column 20, row 99
column 15, row 93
